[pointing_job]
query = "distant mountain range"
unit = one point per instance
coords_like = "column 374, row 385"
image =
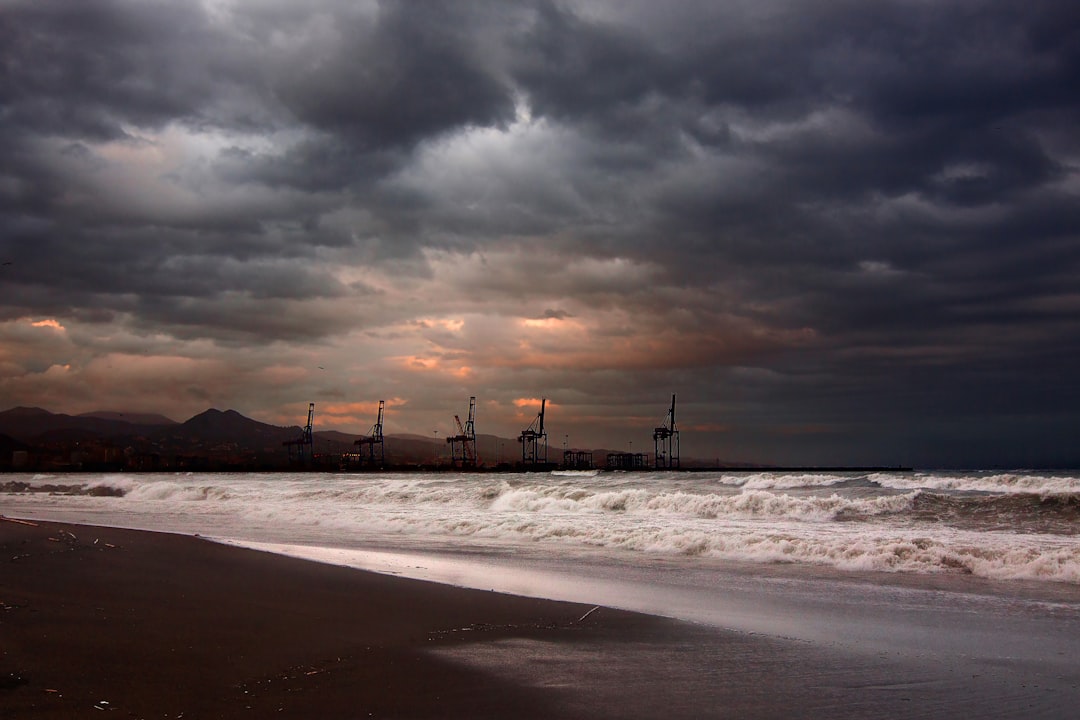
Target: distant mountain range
column 28, row 424
column 142, row 441
column 223, row 437
column 133, row 418
column 213, row 438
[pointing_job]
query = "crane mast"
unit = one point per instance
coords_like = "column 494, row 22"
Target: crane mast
column 533, row 441
column 463, row 445
column 666, row 441
column 373, row 442
column 304, row 445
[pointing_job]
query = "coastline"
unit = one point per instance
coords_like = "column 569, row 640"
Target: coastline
column 158, row 625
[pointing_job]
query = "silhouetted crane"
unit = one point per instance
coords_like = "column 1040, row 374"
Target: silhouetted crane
column 376, row 450
column 533, row 441
column 666, row 441
column 465, row 440
column 305, row 449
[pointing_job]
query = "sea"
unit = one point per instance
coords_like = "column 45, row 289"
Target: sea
column 979, row 564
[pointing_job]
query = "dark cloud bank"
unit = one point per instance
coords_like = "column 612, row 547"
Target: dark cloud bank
column 842, row 231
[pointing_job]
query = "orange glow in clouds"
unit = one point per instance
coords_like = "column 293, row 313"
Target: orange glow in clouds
column 413, row 362
column 416, row 363
column 49, row 323
column 553, row 323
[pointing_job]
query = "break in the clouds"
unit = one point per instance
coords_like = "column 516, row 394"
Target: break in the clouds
column 842, row 232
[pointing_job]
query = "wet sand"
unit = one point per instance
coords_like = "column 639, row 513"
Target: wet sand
column 149, row 625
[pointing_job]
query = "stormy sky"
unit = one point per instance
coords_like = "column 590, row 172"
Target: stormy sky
column 842, row 232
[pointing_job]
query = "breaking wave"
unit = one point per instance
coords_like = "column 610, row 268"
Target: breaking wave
column 745, row 504
column 994, row 525
column 1006, row 482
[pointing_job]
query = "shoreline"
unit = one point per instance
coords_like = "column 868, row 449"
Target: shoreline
column 158, row 625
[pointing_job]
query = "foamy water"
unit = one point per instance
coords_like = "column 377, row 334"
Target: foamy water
column 1016, row 525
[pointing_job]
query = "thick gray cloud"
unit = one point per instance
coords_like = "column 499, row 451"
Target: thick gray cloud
column 842, row 231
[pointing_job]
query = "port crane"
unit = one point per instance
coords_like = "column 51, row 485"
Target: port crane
column 666, row 442
column 463, row 445
column 373, row 442
column 305, row 448
column 533, row 441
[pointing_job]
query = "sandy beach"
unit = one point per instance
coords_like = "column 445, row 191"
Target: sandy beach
column 150, row 625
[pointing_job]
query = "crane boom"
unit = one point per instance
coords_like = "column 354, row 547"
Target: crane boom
column 533, row 440
column 666, row 441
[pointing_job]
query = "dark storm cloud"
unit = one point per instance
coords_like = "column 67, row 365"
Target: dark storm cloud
column 406, row 75
column 859, row 201
column 85, row 70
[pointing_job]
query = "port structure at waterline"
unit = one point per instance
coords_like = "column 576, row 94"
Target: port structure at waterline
column 302, row 449
column 627, row 461
column 534, row 442
column 371, row 448
column 666, row 442
column 463, row 445
column 577, row 460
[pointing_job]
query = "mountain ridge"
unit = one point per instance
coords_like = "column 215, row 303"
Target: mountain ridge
column 228, row 437
column 152, row 419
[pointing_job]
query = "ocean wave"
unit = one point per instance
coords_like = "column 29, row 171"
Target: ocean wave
column 745, row 504
column 94, row 490
column 136, row 490
column 789, row 481
column 1020, row 512
column 863, row 552
column 1006, row 482
column 1000, row 555
column 182, row 492
column 904, row 529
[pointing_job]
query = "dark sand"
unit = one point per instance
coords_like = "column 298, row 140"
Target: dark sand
column 98, row 621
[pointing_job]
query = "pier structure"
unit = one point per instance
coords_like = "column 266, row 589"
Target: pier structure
column 577, row 460
column 627, row 461
column 533, row 439
column 463, row 445
column 666, row 442
column 371, row 449
column 302, row 449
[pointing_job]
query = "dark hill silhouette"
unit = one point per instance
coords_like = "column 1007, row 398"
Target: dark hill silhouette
column 152, row 419
column 66, row 435
column 26, row 412
column 8, row 447
column 9, row 443
column 28, row 424
column 336, row 436
column 230, row 426
column 229, row 438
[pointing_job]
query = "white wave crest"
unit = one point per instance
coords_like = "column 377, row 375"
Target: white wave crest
column 1008, row 482
column 780, row 481
column 168, row 491
column 995, row 557
column 669, row 514
column 118, row 483
column 746, row 504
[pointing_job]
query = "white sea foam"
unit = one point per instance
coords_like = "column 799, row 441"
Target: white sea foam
column 753, row 503
column 1006, row 482
column 766, row 518
column 120, row 483
column 771, row 480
